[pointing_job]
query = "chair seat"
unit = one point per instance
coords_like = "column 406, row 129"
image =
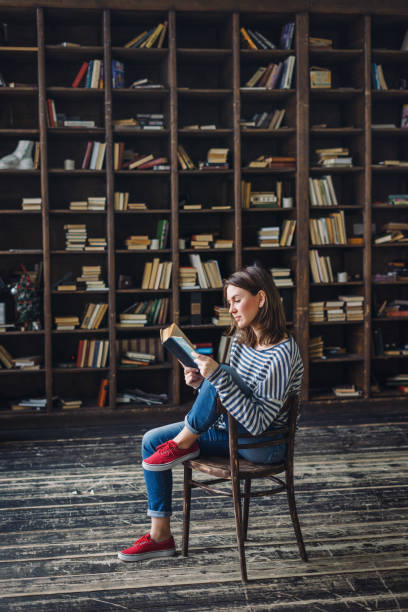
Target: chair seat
column 220, row 467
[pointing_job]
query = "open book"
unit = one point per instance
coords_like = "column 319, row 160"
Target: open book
column 177, row 343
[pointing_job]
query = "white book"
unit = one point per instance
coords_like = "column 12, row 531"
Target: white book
column 94, row 156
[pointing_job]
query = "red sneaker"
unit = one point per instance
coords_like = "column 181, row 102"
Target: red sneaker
column 146, row 548
column 168, row 455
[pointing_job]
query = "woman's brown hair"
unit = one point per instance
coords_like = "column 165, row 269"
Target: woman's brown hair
column 271, row 316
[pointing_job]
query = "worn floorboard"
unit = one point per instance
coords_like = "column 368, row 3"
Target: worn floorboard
column 70, row 499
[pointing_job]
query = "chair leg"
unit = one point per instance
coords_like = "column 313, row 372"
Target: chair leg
column 247, row 499
column 239, row 527
column 186, row 509
column 294, row 515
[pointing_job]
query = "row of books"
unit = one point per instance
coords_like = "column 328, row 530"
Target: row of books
column 129, row 160
column 208, row 272
column 141, row 121
column 121, row 202
column 94, row 156
column 91, row 75
column 273, row 161
column 321, row 267
column 274, row 236
column 145, row 312
column 8, row 362
column 273, row 76
column 264, row 120
column 151, row 346
column 345, row 308
column 92, row 318
column 90, row 280
column 62, row 120
column 328, row 230
column 157, row 274
column 148, row 39
column 254, row 39
column 262, row 199
column 216, row 158
column 96, row 203
column 389, row 349
column 92, row 354
column 393, row 231
column 322, row 192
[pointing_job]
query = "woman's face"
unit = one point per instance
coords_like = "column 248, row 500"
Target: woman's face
column 243, row 306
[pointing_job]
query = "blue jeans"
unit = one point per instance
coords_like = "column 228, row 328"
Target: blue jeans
column 213, row 440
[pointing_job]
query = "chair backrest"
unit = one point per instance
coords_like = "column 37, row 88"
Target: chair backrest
column 291, row 407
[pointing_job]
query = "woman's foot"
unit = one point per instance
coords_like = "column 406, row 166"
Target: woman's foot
column 146, row 548
column 168, row 455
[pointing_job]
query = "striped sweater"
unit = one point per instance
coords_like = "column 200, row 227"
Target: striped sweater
column 271, row 375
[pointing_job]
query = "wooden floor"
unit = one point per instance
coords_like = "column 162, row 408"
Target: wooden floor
column 70, row 499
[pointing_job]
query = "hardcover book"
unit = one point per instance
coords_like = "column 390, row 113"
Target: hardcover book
column 178, row 344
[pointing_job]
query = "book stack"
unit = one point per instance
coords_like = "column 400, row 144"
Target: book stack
column 197, row 126
column 378, row 79
column 145, row 82
column 94, row 156
column 224, row 349
column 92, row 353
column 93, row 315
column 216, row 158
column 398, row 308
column 132, row 320
column 400, row 199
column 150, row 121
column 137, row 242
column 316, row 312
column 334, row 310
column 75, row 236
column 201, row 241
column 321, row 267
column 136, row 206
column 263, row 199
column 184, row 159
column 268, row 236
column 322, row 192
column 265, row 120
column 153, row 37
column 328, row 230
column 209, row 275
column 96, row 244
column 223, row 243
column 157, row 274
column 221, row 316
column 335, row 156
column 32, row 404
column 31, row 203
column 28, row 363
column 316, row 348
column 66, row 323
column 71, row 404
column 269, row 161
column 398, row 380
column 354, row 305
column 78, row 205
column 288, row 231
column 136, row 359
column 282, row 277
column 192, row 206
column 188, row 277
column 96, row 203
column 346, row 391
column 90, row 277
column 320, row 43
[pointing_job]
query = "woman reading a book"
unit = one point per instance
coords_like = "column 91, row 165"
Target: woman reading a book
column 265, row 367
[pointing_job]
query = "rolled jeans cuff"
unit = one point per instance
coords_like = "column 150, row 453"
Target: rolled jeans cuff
column 158, row 513
column 191, row 429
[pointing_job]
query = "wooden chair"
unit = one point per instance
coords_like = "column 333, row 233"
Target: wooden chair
column 235, row 469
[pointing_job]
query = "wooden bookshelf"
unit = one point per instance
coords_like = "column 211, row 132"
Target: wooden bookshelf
column 202, row 68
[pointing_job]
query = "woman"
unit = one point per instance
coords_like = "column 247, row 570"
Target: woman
column 265, row 367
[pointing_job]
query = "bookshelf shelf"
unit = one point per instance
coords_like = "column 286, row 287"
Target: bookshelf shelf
column 387, row 357
column 197, row 78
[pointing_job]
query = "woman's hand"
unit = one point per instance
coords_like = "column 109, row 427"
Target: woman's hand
column 205, row 364
column 192, row 377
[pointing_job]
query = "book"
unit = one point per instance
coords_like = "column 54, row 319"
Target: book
column 179, row 345
column 80, row 75
column 404, row 115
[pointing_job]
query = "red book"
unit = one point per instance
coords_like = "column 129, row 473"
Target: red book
column 151, row 163
column 50, row 113
column 79, row 355
column 103, row 391
column 80, row 74
column 87, row 156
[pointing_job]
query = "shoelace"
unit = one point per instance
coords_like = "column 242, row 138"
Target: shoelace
column 167, row 448
column 143, row 539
